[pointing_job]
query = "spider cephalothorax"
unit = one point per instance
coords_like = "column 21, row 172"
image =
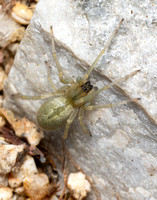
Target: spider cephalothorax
column 86, row 87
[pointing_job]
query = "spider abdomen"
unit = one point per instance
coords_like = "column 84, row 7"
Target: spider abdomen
column 54, row 113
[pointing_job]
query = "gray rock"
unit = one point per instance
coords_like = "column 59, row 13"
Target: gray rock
column 120, row 157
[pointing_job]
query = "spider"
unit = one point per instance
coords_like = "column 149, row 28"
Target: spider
column 74, row 98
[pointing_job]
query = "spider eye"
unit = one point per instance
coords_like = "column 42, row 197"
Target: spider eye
column 86, row 87
column 95, row 88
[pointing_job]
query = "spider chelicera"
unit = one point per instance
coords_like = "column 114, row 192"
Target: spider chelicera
column 75, row 97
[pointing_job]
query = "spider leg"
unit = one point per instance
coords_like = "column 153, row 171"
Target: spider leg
column 102, row 52
column 92, row 107
column 91, row 96
column 80, row 118
column 49, row 76
column 42, row 96
column 61, row 78
column 68, row 123
column 117, row 81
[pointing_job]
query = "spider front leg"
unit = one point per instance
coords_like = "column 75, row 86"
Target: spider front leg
column 61, row 75
column 49, row 76
column 40, row 97
column 92, row 95
column 92, row 107
column 101, row 53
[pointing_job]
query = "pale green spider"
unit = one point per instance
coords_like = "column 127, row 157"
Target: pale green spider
column 73, row 98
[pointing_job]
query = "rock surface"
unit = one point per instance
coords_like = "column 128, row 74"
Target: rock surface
column 120, row 157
